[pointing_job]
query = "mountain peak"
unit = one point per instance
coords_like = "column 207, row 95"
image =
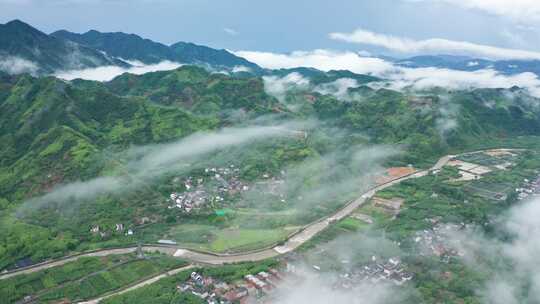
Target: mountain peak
column 92, row 33
column 17, row 22
column 18, row 25
column 48, row 52
column 13, row 32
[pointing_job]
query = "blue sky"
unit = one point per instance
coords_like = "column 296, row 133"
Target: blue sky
column 286, row 26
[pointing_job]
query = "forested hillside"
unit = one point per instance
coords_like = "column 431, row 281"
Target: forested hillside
column 55, row 132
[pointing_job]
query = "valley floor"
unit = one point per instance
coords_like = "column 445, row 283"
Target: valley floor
column 293, row 242
column 302, row 237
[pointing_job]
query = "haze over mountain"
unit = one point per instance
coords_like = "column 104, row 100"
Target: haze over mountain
column 133, row 47
column 26, row 49
column 391, row 167
column 465, row 63
column 43, row 53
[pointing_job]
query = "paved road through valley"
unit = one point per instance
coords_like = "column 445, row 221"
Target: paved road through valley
column 296, row 240
column 305, row 234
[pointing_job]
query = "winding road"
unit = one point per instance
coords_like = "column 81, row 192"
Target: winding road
column 296, row 240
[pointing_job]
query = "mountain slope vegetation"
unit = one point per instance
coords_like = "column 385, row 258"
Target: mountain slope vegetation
column 55, row 132
column 45, row 53
column 25, row 49
column 133, row 47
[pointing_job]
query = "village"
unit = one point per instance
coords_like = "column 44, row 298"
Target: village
column 253, row 288
column 529, row 189
column 212, row 187
column 261, row 287
column 219, row 185
column 390, row 270
column 437, row 241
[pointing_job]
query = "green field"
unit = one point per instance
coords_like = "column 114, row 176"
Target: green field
column 86, row 278
column 215, row 239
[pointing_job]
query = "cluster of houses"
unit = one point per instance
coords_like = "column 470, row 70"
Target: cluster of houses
column 212, row 187
column 529, row 189
column 391, row 270
column 217, row 185
column 436, row 241
column 213, row 291
column 273, row 186
column 228, row 178
column 119, row 228
column 187, row 201
column 263, row 282
column 260, row 287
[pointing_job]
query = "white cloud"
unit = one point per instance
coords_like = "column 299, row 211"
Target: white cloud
column 78, row 191
column 524, row 11
column 424, row 78
column 146, row 163
column 319, row 286
column 17, row 65
column 107, row 73
column 278, row 86
column 315, row 289
column 514, row 38
column 519, row 283
column 448, row 116
column 436, row 45
column 324, row 60
column 339, row 88
column 240, row 68
column 230, row 31
column 398, row 77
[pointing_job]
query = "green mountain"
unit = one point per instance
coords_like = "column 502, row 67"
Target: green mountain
column 464, row 63
column 127, row 46
column 192, row 89
column 55, row 132
column 24, row 49
column 48, row 117
column 319, row 77
column 43, row 53
column 193, row 53
column 133, row 47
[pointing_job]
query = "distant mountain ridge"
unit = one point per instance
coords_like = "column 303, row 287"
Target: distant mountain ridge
column 121, row 45
column 464, row 63
column 48, row 53
column 25, row 49
column 134, row 47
